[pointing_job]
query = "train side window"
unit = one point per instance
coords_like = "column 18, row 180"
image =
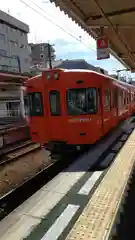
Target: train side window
column 132, row 97
column 114, row 98
column 55, row 103
column 107, row 100
column 120, row 97
column 124, row 98
column 98, row 98
column 35, row 104
column 129, row 98
column 91, row 100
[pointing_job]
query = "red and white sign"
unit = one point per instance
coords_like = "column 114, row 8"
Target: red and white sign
column 102, row 48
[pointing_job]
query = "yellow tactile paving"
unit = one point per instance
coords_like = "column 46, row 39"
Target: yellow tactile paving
column 98, row 216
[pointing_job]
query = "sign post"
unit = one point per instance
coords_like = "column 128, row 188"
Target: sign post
column 103, row 48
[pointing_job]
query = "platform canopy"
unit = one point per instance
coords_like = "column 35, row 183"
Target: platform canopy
column 114, row 19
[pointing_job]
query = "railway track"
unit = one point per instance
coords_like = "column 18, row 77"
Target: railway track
column 23, row 191
column 12, row 153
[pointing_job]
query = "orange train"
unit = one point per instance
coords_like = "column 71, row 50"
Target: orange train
column 75, row 108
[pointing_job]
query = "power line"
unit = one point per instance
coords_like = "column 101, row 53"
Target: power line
column 26, row 4
column 50, row 15
column 44, row 10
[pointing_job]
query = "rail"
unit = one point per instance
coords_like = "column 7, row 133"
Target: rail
column 13, row 153
column 13, row 134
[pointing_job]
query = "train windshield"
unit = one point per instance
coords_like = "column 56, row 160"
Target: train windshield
column 81, row 101
column 35, row 104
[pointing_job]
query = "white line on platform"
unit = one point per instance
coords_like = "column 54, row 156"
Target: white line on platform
column 90, row 183
column 61, row 223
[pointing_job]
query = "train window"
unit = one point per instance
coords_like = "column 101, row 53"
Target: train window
column 107, row 100
column 91, row 100
column 120, row 97
column 55, row 103
column 81, row 101
column 114, row 98
column 129, row 98
column 133, row 97
column 124, row 98
column 35, row 104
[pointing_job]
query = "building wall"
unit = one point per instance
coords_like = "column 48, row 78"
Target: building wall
column 39, row 54
column 14, row 48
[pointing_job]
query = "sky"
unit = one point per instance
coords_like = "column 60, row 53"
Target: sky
column 69, row 40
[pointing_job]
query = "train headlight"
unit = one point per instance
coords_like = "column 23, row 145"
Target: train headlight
column 56, row 76
column 48, row 75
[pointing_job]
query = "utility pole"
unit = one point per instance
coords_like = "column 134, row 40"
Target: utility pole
column 49, row 46
column 49, row 56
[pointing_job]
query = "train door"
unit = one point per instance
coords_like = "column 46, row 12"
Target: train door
column 106, row 99
column 114, row 108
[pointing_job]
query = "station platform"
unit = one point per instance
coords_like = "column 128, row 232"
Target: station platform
column 78, row 203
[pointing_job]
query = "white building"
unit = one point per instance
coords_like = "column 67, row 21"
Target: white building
column 14, row 65
column 14, row 48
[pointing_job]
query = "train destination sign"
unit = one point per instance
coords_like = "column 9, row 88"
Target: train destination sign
column 103, row 48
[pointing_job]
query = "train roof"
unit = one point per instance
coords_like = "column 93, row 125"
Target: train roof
column 115, row 81
column 124, row 84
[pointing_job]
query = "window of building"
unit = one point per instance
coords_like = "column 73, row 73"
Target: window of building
column 41, row 56
column 2, row 37
column 3, row 53
column 35, row 104
column 26, row 60
column 42, row 48
column 15, row 56
column 81, row 101
column 55, row 103
column 107, row 105
column 14, row 43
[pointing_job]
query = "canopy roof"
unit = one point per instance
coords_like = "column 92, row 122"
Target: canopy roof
column 117, row 17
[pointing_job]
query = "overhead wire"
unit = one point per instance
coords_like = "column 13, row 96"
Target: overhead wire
column 57, row 25
column 50, row 15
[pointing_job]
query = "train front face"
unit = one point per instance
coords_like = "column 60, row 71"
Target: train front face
column 74, row 117
column 37, row 120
